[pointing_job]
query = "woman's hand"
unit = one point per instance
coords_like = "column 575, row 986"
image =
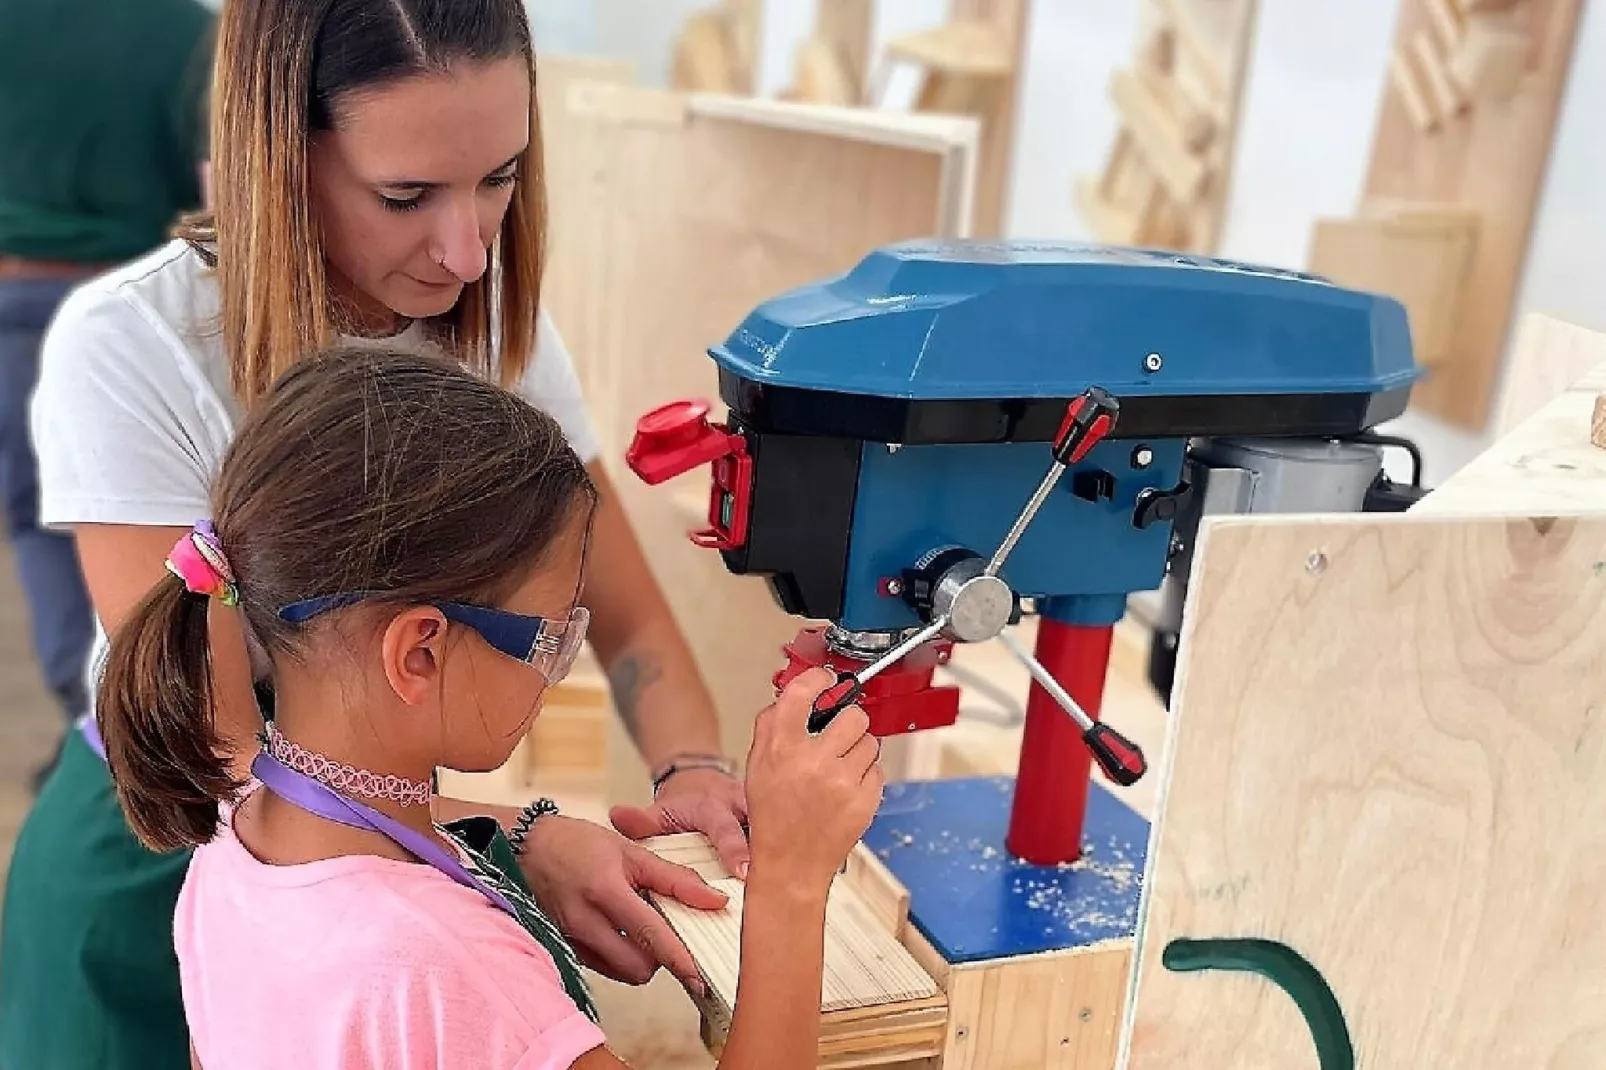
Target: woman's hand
column 695, row 800
column 592, row 882
column 810, row 796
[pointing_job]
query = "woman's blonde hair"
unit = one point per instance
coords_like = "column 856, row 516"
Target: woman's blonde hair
column 281, row 66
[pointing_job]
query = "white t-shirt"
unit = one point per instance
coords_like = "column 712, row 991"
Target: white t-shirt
column 133, row 411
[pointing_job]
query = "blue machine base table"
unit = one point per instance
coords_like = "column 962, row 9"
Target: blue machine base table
column 944, row 841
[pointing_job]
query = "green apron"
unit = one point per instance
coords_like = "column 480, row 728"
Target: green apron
column 88, row 976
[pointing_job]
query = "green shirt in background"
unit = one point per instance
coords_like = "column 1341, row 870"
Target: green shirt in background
column 101, row 124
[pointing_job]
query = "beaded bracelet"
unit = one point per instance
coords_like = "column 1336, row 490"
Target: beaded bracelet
column 528, row 816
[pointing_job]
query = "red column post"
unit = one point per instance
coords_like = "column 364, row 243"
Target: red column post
column 1045, row 825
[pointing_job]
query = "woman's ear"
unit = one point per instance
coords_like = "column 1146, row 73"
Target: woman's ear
column 412, row 650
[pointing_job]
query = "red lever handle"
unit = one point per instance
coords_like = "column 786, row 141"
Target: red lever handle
column 675, row 438
column 1120, row 758
column 1088, row 419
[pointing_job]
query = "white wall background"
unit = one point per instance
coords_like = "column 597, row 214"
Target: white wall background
column 1315, row 78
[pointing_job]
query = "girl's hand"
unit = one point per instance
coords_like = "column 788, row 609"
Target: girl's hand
column 810, row 797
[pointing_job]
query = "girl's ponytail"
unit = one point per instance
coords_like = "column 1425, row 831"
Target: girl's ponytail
column 154, row 708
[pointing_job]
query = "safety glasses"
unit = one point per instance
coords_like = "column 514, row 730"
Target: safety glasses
column 548, row 646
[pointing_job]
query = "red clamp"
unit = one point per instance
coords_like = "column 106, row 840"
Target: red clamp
column 902, row 699
column 672, row 440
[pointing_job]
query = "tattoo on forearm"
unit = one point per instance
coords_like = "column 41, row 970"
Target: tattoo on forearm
column 628, row 677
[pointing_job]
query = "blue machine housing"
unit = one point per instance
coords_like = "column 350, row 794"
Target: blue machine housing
column 907, row 405
column 988, row 321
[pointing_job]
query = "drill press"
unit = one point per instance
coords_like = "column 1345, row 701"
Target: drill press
column 952, row 434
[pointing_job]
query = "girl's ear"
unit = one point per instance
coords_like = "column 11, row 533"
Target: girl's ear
column 412, row 650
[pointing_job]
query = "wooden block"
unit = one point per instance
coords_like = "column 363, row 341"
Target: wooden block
column 1407, row 83
column 1110, row 223
column 1159, row 135
column 1422, row 263
column 978, row 49
column 1471, row 6
column 1200, row 50
column 1447, row 95
column 1416, row 857
column 1447, row 21
column 1159, row 50
column 822, row 76
column 1597, row 423
column 1490, row 59
column 1055, row 1011
column 704, row 60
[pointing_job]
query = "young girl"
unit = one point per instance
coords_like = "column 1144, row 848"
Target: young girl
column 409, row 544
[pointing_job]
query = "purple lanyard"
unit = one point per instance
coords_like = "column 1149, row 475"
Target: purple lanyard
column 315, row 798
column 91, row 733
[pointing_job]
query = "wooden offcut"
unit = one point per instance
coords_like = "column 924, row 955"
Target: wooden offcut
column 1388, row 739
column 1486, row 154
column 1490, row 58
column 716, row 50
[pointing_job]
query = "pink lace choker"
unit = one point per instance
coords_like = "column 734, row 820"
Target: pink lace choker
column 345, row 779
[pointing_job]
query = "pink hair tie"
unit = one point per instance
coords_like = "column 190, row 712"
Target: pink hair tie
column 198, row 560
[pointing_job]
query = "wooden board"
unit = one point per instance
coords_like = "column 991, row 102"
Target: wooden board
column 1388, row 745
column 695, row 209
column 865, row 966
column 1420, row 260
column 878, row 1004
column 1489, row 157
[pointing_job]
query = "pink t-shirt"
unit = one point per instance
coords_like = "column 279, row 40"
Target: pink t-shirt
column 359, row 962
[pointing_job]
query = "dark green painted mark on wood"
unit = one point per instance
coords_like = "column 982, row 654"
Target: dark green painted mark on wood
column 1288, row 970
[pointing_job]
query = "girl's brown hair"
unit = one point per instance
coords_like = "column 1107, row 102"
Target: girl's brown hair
column 362, row 470
column 281, row 69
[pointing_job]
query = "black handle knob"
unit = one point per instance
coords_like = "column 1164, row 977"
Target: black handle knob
column 1120, row 758
column 1157, row 506
column 1088, row 419
column 833, row 700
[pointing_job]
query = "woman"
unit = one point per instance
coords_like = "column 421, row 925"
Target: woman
column 377, row 173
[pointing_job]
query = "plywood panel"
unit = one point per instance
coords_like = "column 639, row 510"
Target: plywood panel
column 1388, row 745
column 1488, row 157
column 693, row 211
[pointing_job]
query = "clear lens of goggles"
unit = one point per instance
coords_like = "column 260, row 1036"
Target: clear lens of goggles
column 558, row 645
